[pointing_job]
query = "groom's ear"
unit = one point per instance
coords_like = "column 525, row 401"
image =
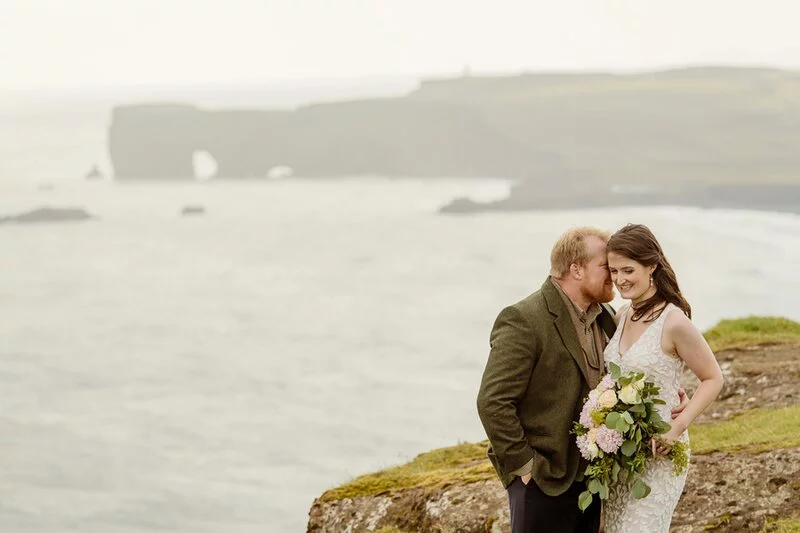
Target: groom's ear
column 576, row 271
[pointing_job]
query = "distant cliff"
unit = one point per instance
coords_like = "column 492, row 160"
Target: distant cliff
column 385, row 137
column 699, row 125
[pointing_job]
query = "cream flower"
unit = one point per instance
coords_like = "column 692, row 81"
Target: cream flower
column 608, row 399
column 593, row 449
column 629, row 395
column 588, row 448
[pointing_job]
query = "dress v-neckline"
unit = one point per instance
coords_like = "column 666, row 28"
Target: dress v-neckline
column 622, row 354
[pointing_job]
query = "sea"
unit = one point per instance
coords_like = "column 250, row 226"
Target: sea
column 217, row 372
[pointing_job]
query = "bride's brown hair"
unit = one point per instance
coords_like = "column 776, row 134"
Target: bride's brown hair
column 637, row 242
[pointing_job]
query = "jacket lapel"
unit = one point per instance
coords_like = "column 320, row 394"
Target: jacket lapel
column 564, row 325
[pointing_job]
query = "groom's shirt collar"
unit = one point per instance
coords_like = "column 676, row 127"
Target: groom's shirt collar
column 589, row 333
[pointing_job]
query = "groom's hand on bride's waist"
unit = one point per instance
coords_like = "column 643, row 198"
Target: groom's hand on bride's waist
column 682, row 405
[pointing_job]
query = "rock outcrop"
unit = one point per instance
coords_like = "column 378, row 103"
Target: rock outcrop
column 193, row 210
column 48, row 214
column 94, row 173
column 725, row 492
column 528, row 196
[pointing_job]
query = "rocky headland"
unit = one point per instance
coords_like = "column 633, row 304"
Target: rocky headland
column 567, row 140
column 744, row 473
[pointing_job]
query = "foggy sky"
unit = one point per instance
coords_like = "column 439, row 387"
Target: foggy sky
column 51, row 43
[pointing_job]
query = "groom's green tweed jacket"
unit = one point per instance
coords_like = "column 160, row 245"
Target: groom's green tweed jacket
column 533, row 389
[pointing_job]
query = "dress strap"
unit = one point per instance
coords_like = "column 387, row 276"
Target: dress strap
column 667, row 310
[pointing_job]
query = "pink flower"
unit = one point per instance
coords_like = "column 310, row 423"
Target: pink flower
column 606, row 383
column 586, row 413
column 609, row 440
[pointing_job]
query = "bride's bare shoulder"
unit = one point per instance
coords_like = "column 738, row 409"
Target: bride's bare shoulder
column 678, row 326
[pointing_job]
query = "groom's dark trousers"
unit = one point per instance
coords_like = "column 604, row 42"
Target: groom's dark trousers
column 533, row 511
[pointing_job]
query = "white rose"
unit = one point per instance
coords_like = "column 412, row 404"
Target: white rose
column 594, row 394
column 638, row 385
column 629, row 395
column 608, row 399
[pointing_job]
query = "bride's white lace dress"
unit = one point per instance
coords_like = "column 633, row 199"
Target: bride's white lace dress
column 653, row 514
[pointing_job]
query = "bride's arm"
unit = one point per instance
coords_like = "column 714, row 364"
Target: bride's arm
column 688, row 344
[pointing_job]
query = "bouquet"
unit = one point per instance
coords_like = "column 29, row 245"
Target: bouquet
column 616, row 425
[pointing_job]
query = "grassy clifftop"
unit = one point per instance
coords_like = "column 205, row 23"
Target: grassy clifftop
column 752, row 331
column 758, row 414
column 752, row 432
column 696, row 125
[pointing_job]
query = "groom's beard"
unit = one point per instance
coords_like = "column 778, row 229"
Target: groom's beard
column 601, row 295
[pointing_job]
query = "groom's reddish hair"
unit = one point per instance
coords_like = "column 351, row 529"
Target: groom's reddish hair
column 571, row 248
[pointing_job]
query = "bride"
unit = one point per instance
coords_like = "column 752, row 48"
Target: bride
column 656, row 336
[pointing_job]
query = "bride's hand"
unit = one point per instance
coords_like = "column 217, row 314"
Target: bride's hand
column 662, row 444
column 684, row 401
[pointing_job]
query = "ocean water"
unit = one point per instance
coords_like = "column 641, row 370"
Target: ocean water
column 215, row 373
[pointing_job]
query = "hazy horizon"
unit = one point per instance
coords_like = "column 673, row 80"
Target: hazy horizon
column 93, row 44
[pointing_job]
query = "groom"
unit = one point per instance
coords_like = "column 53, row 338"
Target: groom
column 546, row 355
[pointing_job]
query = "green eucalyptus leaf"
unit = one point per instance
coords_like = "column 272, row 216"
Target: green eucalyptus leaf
column 640, row 489
column 628, row 448
column 584, row 500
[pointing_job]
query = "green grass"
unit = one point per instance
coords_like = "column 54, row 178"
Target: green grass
column 752, row 431
column 753, row 330
column 462, row 464
column 786, row 525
